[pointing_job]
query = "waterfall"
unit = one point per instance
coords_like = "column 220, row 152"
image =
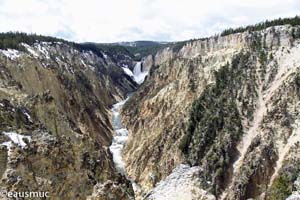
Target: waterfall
column 121, row 133
column 138, row 73
column 137, row 69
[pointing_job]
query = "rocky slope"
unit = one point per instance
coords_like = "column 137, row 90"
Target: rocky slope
column 228, row 105
column 55, row 127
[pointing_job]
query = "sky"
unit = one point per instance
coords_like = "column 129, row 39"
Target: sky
column 131, row 20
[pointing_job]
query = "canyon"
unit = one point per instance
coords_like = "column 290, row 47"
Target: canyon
column 212, row 118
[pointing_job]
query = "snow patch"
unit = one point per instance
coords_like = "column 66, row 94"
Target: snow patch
column 27, row 116
column 105, row 56
column 30, row 50
column 43, row 50
column 15, row 139
column 128, row 71
column 82, row 62
column 11, row 53
column 38, row 49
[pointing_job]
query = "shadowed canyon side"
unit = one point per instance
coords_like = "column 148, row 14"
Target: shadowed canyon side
column 226, row 107
column 55, row 101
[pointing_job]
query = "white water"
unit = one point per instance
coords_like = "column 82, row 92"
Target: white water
column 120, row 138
column 138, row 74
column 121, row 133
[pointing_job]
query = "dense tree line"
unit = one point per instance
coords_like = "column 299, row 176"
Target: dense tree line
column 295, row 21
column 13, row 40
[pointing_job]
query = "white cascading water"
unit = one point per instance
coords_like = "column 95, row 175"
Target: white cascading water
column 121, row 133
column 138, row 74
column 120, row 138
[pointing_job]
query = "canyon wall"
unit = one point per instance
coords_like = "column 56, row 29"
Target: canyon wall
column 55, row 102
column 228, row 105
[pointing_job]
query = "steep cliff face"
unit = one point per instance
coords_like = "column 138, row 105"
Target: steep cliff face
column 55, row 125
column 228, row 105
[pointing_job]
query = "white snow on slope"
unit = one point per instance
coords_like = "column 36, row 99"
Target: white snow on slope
column 181, row 184
column 27, row 116
column 128, row 71
column 30, row 50
column 11, row 53
column 42, row 49
column 105, row 56
column 16, row 139
column 38, row 49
